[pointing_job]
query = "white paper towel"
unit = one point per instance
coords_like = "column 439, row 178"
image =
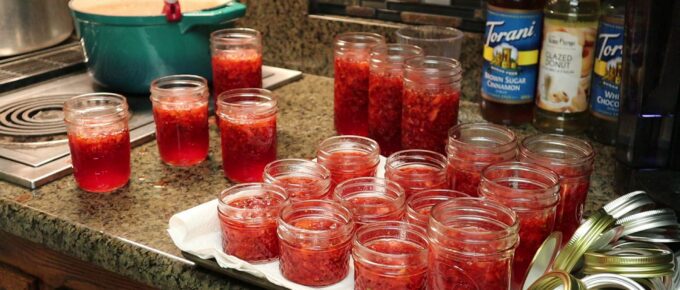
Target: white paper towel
column 197, row 231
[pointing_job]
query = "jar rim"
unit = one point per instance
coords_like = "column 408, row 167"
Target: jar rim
column 277, row 191
column 393, row 54
column 401, row 226
column 184, row 83
column 235, row 36
column 429, row 33
column 455, row 137
column 358, row 40
column 296, row 162
column 431, row 194
column 548, row 193
column 581, row 152
column 419, row 156
column 398, row 196
column 343, row 212
column 356, row 143
column 260, row 101
column 115, row 107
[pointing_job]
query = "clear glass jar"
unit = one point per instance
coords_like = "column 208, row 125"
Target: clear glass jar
column 236, row 59
column 390, row 255
column 180, row 111
column 247, row 122
column 316, row 239
column 472, row 243
column 99, row 140
column 302, row 179
column 348, row 157
column 248, row 214
column 430, row 102
column 417, row 170
column 572, row 159
column 385, row 86
column 372, row 199
column 474, row 146
column 351, row 56
column 532, row 191
column 419, row 205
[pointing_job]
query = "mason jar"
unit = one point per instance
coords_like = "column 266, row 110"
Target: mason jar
column 348, row 157
column 302, row 179
column 180, row 111
column 417, row 170
column 430, row 101
column 371, row 199
column 419, row 205
column 99, row 140
column 236, row 59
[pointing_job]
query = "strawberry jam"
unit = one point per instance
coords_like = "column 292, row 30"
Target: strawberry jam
column 419, row 205
column 101, row 163
column 302, row 179
column 236, row 59
column 371, row 199
column 417, row 170
column 348, row 157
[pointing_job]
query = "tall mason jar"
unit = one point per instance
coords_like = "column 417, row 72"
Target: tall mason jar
column 99, row 140
column 430, row 102
column 236, row 59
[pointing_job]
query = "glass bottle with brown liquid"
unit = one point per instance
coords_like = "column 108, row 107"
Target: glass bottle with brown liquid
column 511, row 50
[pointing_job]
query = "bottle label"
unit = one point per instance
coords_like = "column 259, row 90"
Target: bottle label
column 566, row 66
column 606, row 87
column 512, row 39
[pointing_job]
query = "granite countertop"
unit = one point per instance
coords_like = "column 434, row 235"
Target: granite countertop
column 125, row 232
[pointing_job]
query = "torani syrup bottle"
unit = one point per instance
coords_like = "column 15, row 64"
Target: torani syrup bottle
column 606, row 86
column 512, row 40
column 569, row 31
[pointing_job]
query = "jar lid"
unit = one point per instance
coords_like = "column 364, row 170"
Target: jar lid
column 585, row 236
column 647, row 220
column 631, row 262
column 556, row 279
column 543, row 258
column 628, row 203
column 663, row 235
column 607, row 280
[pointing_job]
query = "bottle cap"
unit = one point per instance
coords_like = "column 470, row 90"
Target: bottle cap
column 585, row 236
column 556, row 279
column 599, row 281
column 543, row 258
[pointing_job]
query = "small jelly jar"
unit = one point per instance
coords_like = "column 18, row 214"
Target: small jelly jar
column 417, row 170
column 472, row 243
column 351, row 57
column 572, row 159
column 372, row 199
column 348, row 157
column 430, row 102
column 247, row 122
column 472, row 147
column 390, row 255
column 419, row 205
column 532, row 191
column 236, row 59
column 99, row 140
column 248, row 214
column 385, row 86
column 180, row 111
column 302, row 179
column 316, row 240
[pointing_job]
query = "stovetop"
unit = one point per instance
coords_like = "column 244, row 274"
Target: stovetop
column 33, row 143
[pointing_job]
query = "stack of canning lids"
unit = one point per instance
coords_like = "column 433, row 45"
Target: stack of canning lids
column 620, row 245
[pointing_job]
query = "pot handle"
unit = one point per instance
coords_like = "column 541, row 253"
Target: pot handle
column 213, row 16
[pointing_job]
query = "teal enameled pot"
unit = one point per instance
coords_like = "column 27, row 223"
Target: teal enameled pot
column 126, row 53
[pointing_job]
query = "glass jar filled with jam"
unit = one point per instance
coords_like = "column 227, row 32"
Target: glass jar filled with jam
column 248, row 214
column 99, row 140
column 351, row 57
column 474, row 146
column 472, row 243
column 417, row 170
column 430, row 102
column 236, row 59
column 532, row 191
column 302, row 179
column 419, row 205
column 316, row 240
column 390, row 255
column 372, row 199
column 180, row 111
column 247, row 122
column 348, row 157
column 385, row 86
column 572, row 159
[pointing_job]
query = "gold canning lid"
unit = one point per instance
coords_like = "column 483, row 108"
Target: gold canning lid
column 629, row 256
column 627, row 204
column 585, row 236
column 543, row 258
column 552, row 280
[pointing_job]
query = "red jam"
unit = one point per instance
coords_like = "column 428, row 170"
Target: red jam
column 249, row 226
column 351, row 95
column 345, row 165
column 414, row 178
column 427, row 116
column 384, row 110
column 368, row 276
column 307, row 263
column 534, row 227
column 573, row 193
column 368, row 209
column 182, row 134
column 236, row 69
column 101, row 163
column 419, row 205
column 247, row 147
column 302, row 187
column 371, row 199
column 464, row 175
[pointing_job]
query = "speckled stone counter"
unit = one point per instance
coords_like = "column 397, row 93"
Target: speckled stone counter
column 125, row 232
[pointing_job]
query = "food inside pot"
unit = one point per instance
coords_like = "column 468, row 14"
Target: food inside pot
column 139, row 7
